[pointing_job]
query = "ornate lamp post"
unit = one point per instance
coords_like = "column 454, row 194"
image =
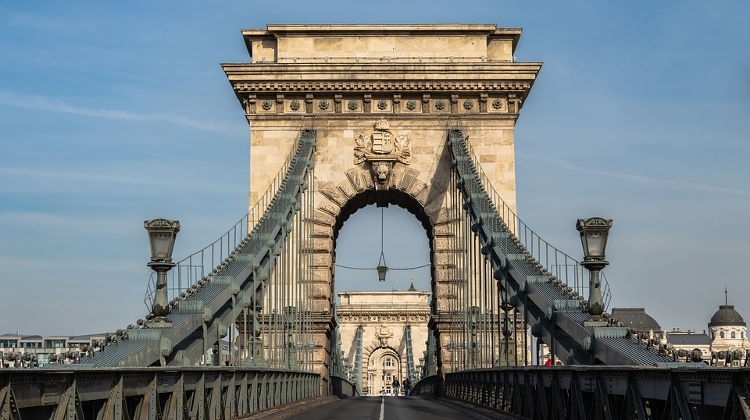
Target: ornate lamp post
column 161, row 235
column 594, row 232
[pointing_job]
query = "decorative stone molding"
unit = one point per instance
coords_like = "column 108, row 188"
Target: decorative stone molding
column 367, row 103
column 350, row 86
column 333, row 193
column 337, row 103
column 384, row 334
column 381, row 150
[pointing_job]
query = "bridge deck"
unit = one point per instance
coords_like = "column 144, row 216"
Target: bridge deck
column 387, row 407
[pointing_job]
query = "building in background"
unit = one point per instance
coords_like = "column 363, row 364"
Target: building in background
column 640, row 323
column 729, row 343
column 383, row 337
column 688, row 346
column 18, row 350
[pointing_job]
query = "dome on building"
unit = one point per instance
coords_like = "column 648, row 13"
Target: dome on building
column 726, row 315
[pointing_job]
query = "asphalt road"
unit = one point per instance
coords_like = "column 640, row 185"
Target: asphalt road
column 383, row 408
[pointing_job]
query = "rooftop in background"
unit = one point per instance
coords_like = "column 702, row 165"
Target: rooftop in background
column 726, row 315
column 688, row 338
column 637, row 318
column 36, row 336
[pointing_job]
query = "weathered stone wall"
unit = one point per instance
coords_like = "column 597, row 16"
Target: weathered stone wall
column 359, row 84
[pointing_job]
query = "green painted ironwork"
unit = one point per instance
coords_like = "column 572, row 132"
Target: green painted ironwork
column 357, row 372
column 149, row 393
column 410, row 370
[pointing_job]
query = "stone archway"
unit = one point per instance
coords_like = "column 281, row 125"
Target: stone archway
column 381, row 99
column 383, row 365
column 356, row 190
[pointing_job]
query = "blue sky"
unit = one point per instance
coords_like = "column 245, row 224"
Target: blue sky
column 112, row 113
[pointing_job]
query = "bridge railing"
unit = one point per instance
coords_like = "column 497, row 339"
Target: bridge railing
column 425, row 386
column 610, row 392
column 559, row 264
column 149, row 393
column 342, row 387
column 200, row 264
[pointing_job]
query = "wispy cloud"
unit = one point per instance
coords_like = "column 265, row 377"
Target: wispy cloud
column 44, row 103
column 640, row 178
column 97, row 177
column 34, row 21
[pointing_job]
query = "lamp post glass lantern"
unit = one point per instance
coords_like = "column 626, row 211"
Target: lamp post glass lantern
column 594, row 233
column 161, row 235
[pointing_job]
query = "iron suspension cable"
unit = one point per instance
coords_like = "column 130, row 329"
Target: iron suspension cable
column 374, row 268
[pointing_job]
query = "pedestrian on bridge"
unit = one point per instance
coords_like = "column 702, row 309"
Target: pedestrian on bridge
column 395, row 386
column 407, row 386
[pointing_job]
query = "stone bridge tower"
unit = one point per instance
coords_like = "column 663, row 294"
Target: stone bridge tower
column 381, row 98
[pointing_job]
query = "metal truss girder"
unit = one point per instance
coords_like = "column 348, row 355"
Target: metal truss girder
column 230, row 398
column 607, row 392
column 214, row 398
column 8, row 406
column 559, row 403
column 635, row 400
column 679, row 402
column 542, row 399
column 242, row 400
column 69, row 407
column 578, row 409
column 740, row 400
column 168, row 393
column 603, row 403
column 148, row 408
column 115, row 408
column 175, row 407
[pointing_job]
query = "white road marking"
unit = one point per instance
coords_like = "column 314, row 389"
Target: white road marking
column 382, row 407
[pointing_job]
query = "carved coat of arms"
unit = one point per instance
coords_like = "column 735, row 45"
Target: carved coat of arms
column 384, row 333
column 382, row 150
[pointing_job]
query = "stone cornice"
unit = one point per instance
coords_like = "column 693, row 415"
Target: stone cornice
column 341, row 309
column 382, row 76
column 386, row 311
column 373, row 86
column 380, row 29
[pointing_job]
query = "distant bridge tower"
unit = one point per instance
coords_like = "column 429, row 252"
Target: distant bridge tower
column 381, row 99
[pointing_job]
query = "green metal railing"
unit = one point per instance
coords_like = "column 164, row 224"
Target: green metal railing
column 205, row 262
column 561, row 267
column 605, row 392
column 149, row 393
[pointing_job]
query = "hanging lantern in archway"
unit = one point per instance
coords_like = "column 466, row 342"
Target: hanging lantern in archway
column 382, row 269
